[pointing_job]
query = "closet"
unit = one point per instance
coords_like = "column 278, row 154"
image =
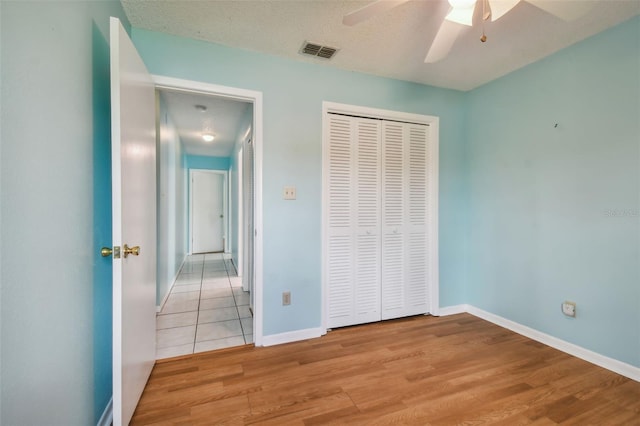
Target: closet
column 379, row 215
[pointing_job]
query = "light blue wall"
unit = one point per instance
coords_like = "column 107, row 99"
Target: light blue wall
column 208, row 163
column 531, row 203
column 102, row 216
column 541, row 196
column 293, row 93
column 172, row 202
column 55, row 212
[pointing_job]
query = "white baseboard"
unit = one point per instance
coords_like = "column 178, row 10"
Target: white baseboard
column 453, row 310
column 292, row 336
column 233, row 262
column 173, row 283
column 107, row 415
column 603, row 361
column 600, row 360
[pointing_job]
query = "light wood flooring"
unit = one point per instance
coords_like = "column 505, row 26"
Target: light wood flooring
column 415, row 371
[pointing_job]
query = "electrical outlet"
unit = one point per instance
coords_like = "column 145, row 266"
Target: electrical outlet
column 286, row 298
column 289, row 192
column 569, row 309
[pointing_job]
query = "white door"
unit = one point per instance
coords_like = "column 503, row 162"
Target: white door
column 380, row 212
column 134, row 223
column 405, row 250
column 207, row 211
column 353, row 242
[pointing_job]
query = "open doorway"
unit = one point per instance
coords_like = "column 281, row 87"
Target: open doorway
column 208, row 292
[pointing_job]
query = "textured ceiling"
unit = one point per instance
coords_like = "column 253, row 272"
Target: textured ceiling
column 222, row 118
column 392, row 44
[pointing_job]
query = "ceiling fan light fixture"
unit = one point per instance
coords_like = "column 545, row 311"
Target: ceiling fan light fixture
column 461, row 11
column 208, row 137
column 461, row 16
column 462, row 4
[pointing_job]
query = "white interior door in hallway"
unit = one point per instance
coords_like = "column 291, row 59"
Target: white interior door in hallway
column 134, row 223
column 207, row 211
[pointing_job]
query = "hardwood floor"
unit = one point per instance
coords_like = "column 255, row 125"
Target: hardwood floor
column 416, row 371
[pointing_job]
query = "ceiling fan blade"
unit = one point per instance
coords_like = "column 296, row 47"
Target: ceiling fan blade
column 565, row 10
column 500, row 7
column 462, row 14
column 370, row 10
column 443, row 42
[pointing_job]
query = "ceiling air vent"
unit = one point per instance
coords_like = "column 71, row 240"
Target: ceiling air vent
column 315, row 49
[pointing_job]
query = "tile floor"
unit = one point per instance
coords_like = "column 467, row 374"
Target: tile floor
column 206, row 310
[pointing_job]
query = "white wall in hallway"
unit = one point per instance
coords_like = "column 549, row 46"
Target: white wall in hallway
column 172, row 201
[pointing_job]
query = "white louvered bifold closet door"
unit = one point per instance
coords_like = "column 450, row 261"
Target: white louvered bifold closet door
column 405, row 252
column 354, row 220
column 377, row 185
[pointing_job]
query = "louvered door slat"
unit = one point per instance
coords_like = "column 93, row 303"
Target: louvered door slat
column 416, row 246
column 393, row 291
column 340, row 277
column 393, row 214
column 339, row 257
column 367, row 213
column 418, row 175
column 340, row 158
column 404, row 251
column 353, row 257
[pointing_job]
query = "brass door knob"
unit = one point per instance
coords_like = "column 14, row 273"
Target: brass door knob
column 107, row 251
column 131, row 250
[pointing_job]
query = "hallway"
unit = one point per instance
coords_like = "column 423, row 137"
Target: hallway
column 206, row 310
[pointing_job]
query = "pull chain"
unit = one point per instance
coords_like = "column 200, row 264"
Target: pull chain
column 485, row 16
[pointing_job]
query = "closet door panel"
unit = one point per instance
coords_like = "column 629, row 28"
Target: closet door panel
column 393, row 219
column 339, row 257
column 404, row 253
column 367, row 218
column 377, row 243
column 416, row 203
column 353, row 258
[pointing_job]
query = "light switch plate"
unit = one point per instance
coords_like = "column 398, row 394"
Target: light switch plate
column 289, row 192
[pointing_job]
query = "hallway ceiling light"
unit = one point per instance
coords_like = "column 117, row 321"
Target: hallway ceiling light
column 207, row 130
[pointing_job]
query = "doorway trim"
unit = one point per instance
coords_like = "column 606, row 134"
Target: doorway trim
column 225, row 206
column 255, row 98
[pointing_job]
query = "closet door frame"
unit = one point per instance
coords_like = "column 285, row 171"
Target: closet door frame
column 433, row 129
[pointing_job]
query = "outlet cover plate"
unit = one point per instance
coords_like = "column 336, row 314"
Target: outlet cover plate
column 569, row 309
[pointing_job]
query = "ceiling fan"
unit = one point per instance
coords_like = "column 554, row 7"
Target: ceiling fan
column 460, row 16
